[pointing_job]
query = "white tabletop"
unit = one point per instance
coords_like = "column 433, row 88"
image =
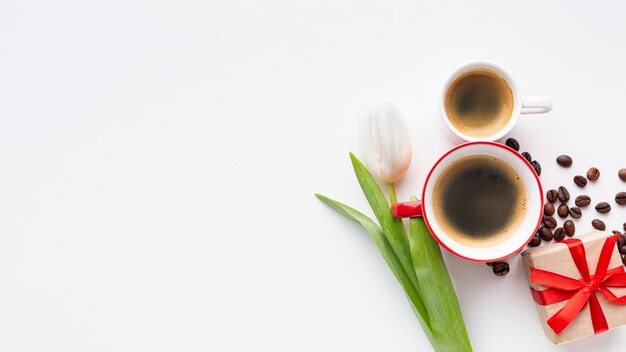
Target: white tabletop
column 158, row 161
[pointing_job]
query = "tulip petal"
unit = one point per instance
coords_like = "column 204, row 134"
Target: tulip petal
column 385, row 143
column 369, row 153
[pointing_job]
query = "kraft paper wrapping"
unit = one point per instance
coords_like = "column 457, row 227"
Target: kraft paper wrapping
column 556, row 257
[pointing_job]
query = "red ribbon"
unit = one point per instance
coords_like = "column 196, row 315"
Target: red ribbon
column 580, row 291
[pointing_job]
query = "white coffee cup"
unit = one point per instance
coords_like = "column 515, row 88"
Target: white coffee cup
column 521, row 105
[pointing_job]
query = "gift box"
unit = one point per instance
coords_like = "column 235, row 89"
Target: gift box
column 578, row 285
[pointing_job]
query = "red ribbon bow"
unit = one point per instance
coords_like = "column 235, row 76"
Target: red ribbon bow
column 580, row 291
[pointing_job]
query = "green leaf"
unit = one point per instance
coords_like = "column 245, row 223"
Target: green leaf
column 436, row 290
column 393, row 228
column 376, row 233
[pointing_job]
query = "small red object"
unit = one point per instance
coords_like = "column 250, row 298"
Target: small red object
column 407, row 210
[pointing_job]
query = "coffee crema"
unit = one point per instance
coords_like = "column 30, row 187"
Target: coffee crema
column 479, row 103
column 479, row 200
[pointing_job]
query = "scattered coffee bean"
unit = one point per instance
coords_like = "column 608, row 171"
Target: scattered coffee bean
column 527, row 156
column 559, row 234
column 582, row 201
column 552, row 195
column 549, row 221
column 622, row 249
column 563, row 210
column 621, row 240
column 569, row 228
column 575, row 212
column 513, row 144
column 535, row 241
column 603, row 207
column 535, row 164
column 563, row 194
column 622, row 174
column 624, row 260
column 624, row 226
column 548, row 209
column 598, row 224
column 620, row 198
column 500, row 268
column 564, row 160
column 580, row 181
column 490, row 263
column 593, row 174
column 545, row 233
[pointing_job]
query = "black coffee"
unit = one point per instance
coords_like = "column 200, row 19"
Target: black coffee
column 479, row 103
column 479, row 200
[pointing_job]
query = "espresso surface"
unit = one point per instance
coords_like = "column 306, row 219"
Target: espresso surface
column 479, row 103
column 479, row 200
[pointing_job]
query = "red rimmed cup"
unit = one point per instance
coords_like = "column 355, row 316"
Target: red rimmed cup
column 515, row 241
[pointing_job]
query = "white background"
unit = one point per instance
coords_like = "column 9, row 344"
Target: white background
column 158, row 161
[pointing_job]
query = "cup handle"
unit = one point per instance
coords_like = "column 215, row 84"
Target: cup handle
column 536, row 105
column 407, row 210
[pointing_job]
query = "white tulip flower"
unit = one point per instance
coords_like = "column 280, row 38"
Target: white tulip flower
column 385, row 143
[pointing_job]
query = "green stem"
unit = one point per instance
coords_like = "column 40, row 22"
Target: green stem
column 392, row 228
column 391, row 189
column 386, row 250
column 437, row 291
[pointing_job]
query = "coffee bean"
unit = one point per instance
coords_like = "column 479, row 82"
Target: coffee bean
column 564, row 160
column 490, row 263
column 624, row 226
column 603, row 207
column 580, row 181
column 548, row 209
column 582, row 201
column 535, row 241
column 527, row 156
column 559, row 234
column 593, row 174
column 563, row 210
column 622, row 174
column 552, row 195
column 513, row 144
column 576, row 213
column 622, row 249
column 621, row 240
column 545, row 233
column 563, row 194
column 598, row 224
column 569, row 228
column 535, row 164
column 620, row 198
column 549, row 221
column 624, row 260
column 500, row 268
